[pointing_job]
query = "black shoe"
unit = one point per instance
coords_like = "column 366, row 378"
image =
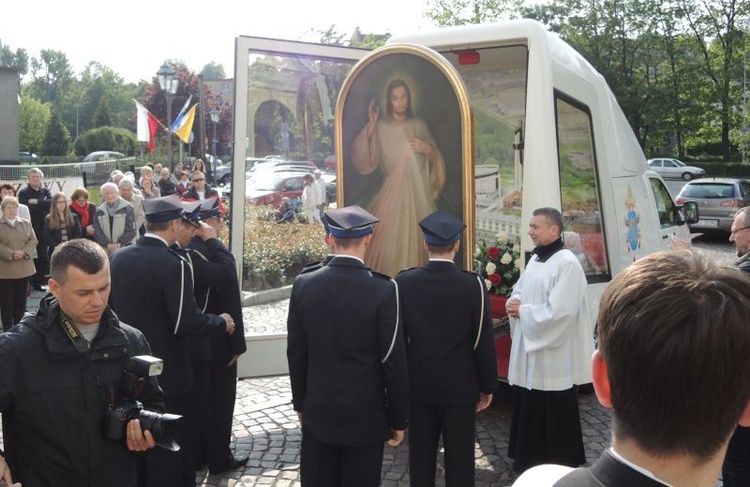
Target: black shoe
column 234, row 463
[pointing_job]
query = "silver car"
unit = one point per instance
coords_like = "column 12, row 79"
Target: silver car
column 675, row 169
column 718, row 200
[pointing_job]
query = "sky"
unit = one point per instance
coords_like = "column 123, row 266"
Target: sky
column 134, row 38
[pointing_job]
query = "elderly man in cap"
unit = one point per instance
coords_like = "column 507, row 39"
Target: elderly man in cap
column 347, row 362
column 451, row 355
column 217, row 289
column 152, row 289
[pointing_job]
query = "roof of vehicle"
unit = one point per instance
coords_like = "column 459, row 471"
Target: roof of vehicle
column 714, row 181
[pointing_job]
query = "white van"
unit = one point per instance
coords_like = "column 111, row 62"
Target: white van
column 574, row 146
column 547, row 132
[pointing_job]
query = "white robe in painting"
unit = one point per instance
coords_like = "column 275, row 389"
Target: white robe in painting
column 411, row 184
column 554, row 338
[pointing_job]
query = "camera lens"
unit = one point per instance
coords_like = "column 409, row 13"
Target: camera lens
column 163, row 427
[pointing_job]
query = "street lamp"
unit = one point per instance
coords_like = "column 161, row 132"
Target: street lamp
column 169, row 83
column 215, row 119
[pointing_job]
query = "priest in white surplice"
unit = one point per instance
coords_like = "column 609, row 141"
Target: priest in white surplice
column 552, row 334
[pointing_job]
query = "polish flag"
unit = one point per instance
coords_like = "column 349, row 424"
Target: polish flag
column 146, row 125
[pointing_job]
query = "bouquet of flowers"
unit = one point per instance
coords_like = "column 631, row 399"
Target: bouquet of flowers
column 499, row 265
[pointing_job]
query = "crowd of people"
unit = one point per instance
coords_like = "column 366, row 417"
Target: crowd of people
column 71, row 361
column 369, row 355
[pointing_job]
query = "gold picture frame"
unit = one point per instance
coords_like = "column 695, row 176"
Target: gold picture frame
column 403, row 163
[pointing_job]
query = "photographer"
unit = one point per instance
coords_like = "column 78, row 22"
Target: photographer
column 62, row 370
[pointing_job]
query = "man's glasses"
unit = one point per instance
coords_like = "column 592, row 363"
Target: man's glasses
column 199, row 180
column 734, row 232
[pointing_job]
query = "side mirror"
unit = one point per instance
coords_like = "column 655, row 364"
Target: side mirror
column 689, row 211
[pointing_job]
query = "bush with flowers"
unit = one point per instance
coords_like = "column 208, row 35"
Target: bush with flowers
column 499, row 265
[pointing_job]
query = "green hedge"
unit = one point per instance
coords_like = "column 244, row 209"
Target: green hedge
column 725, row 169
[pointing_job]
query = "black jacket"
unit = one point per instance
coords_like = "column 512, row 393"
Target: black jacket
column 39, row 210
column 607, row 471
column 152, row 290
column 53, row 238
column 448, row 330
column 347, row 362
column 53, row 399
column 217, row 291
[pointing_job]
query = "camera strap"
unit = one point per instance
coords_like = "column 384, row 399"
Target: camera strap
column 74, row 335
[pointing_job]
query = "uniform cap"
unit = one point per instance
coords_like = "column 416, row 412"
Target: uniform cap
column 441, row 228
column 164, row 209
column 350, row 222
column 192, row 212
column 209, row 208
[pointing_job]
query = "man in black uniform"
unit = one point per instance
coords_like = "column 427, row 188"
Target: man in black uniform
column 61, row 369
column 38, row 199
column 451, row 353
column 152, row 289
column 214, row 361
column 347, row 362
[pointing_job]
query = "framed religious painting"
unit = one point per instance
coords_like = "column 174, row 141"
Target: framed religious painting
column 404, row 150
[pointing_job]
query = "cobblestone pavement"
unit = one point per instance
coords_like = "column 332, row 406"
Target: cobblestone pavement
column 266, row 428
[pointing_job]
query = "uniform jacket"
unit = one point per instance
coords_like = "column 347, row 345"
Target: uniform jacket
column 606, row 472
column 38, row 210
column 53, row 238
column 152, row 289
column 123, row 226
column 448, row 331
column 347, row 361
column 53, row 399
column 18, row 237
column 216, row 291
column 192, row 195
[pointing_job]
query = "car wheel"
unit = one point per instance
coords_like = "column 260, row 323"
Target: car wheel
column 686, row 176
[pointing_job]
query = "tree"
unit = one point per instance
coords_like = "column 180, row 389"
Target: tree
column 717, row 27
column 33, row 118
column 18, row 59
column 461, row 12
column 56, row 137
column 52, row 76
column 106, row 138
column 213, row 71
column 103, row 117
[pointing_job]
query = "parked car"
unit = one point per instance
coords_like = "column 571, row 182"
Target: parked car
column 27, row 157
column 718, row 200
column 675, row 169
column 223, row 174
column 268, row 188
column 330, row 180
column 103, row 155
column 278, row 165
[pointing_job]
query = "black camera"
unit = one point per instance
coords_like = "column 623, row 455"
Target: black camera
column 163, row 427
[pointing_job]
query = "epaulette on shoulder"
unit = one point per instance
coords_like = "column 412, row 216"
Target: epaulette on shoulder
column 312, row 266
column 409, row 269
column 379, row 274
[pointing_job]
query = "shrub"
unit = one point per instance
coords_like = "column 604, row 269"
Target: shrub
column 274, row 253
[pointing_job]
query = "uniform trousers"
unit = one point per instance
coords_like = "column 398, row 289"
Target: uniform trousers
column 457, row 425
column 327, row 465
column 166, row 468
column 211, row 413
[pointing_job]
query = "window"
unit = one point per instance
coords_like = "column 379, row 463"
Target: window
column 669, row 163
column 656, row 163
column 581, row 207
column 665, row 207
